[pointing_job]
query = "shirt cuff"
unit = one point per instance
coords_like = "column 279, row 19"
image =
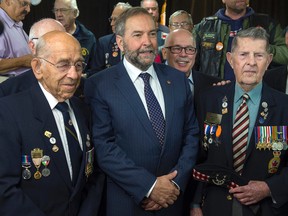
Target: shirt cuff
column 149, row 192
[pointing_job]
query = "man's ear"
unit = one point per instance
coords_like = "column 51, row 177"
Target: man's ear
column 119, row 41
column 164, row 53
column 36, row 67
column 229, row 58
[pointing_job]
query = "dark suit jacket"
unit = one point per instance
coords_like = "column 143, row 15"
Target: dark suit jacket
column 108, row 52
column 27, row 122
column 276, row 78
column 256, row 162
column 127, row 148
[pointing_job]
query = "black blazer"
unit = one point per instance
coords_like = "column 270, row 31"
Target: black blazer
column 276, row 78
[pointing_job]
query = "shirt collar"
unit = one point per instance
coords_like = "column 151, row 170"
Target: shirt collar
column 254, row 94
column 134, row 72
column 7, row 19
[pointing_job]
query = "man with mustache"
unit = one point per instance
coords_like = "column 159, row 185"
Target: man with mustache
column 15, row 55
column 144, row 125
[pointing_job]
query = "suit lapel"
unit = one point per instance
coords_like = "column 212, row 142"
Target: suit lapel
column 127, row 88
column 51, row 137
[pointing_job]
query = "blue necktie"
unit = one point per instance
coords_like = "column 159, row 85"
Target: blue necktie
column 154, row 109
column 72, row 139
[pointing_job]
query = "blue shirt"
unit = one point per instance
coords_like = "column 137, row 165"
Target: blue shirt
column 253, row 104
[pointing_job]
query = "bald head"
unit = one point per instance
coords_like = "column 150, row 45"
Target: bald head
column 176, row 56
column 42, row 27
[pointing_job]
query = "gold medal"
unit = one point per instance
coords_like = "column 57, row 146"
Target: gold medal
column 274, row 162
column 36, row 155
column 115, row 54
column 37, row 175
column 55, row 148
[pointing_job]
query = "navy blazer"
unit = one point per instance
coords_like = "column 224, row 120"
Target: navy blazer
column 256, row 162
column 27, row 122
column 127, row 148
column 108, row 52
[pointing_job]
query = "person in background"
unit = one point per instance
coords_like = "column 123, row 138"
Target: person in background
column 15, row 55
column 48, row 167
column 146, row 140
column 181, row 19
column 108, row 52
column 214, row 36
column 26, row 80
column 66, row 12
column 162, row 31
column 243, row 131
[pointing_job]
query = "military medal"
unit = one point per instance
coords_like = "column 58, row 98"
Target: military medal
column 52, row 140
column 224, row 105
column 26, row 164
column 218, row 134
column 274, row 162
column 219, row 46
column 45, row 161
column 264, row 113
column 55, row 148
column 36, row 155
column 89, row 162
column 115, row 54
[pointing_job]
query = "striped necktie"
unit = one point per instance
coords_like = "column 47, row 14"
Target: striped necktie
column 240, row 134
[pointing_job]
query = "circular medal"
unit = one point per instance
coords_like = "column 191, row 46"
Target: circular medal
column 26, row 174
column 224, row 104
column 88, row 144
column 115, row 54
column 70, row 122
column 279, row 146
column 45, row 172
column 37, row 175
column 261, row 120
column 55, row 148
column 274, row 146
column 52, row 140
column 210, row 140
column 264, row 104
column 219, row 46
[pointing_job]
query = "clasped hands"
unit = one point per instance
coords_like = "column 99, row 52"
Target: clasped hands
column 164, row 193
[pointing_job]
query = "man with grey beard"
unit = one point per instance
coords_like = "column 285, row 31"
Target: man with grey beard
column 144, row 125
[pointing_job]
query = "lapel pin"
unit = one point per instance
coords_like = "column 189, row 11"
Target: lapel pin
column 47, row 134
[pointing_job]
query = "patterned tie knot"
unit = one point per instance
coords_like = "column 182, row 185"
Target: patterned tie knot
column 245, row 97
column 62, row 107
column 145, row 77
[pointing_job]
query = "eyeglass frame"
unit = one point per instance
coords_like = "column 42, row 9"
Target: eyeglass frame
column 181, row 24
column 70, row 65
column 181, row 49
column 110, row 19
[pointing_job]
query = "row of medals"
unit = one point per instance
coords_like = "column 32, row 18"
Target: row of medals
column 37, row 158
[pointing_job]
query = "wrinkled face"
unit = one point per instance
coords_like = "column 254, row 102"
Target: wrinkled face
column 19, row 9
column 237, row 6
column 61, row 84
column 249, row 61
column 139, row 42
column 181, row 21
column 116, row 12
column 64, row 13
column 152, row 8
column 182, row 61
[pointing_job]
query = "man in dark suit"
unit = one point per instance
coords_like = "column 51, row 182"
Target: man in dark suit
column 40, row 174
column 243, row 129
column 108, row 52
column 277, row 78
column 179, row 51
column 147, row 163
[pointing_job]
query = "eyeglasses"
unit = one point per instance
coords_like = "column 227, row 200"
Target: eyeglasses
column 178, row 49
column 64, row 67
column 112, row 19
column 61, row 10
column 180, row 25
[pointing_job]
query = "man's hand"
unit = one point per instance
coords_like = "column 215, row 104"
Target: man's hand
column 149, row 205
column 252, row 193
column 165, row 193
column 196, row 212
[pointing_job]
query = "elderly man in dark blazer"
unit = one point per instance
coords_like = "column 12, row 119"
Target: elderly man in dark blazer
column 40, row 173
column 148, row 159
column 244, row 134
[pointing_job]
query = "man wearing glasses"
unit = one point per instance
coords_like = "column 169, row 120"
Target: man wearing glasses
column 46, row 151
column 181, row 19
column 66, row 12
column 15, row 55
